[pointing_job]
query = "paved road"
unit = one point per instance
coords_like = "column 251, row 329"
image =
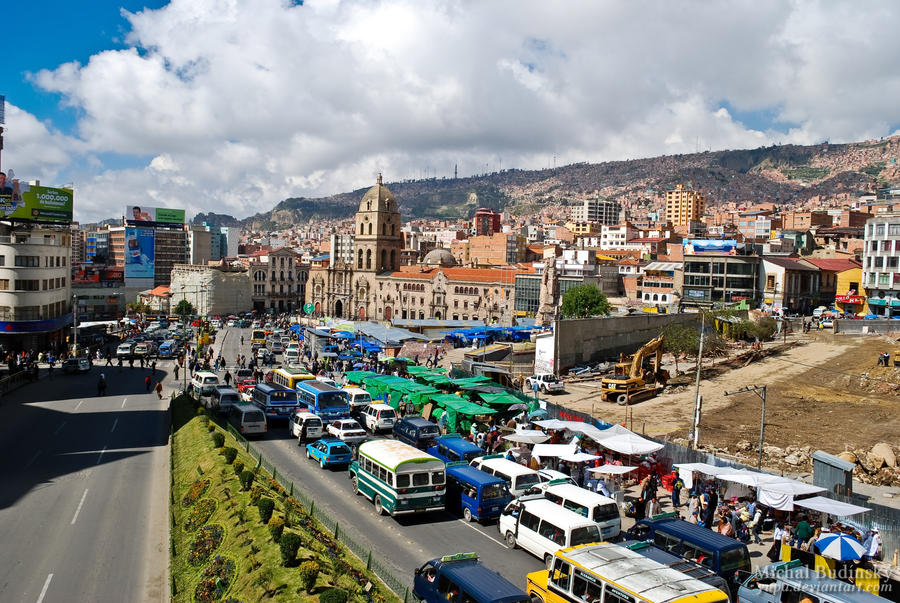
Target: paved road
column 84, row 500
column 402, row 543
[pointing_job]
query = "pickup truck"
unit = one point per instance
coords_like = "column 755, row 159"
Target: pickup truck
column 546, row 382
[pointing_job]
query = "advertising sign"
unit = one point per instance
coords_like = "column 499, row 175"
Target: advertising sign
column 139, row 250
column 21, row 201
column 544, row 356
column 705, row 246
column 144, row 215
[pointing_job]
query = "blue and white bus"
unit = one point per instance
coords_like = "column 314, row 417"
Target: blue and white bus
column 326, row 401
column 279, row 403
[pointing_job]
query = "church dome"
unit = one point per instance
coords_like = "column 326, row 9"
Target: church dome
column 439, row 257
column 378, row 198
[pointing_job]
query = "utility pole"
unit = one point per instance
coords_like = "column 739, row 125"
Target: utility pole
column 759, row 390
column 695, row 420
column 75, row 324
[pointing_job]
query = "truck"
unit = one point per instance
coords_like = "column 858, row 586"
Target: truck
column 546, row 382
column 637, row 377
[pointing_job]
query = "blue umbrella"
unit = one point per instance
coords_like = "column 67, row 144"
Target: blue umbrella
column 842, row 547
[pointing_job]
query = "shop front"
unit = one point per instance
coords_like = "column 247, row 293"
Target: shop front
column 850, row 305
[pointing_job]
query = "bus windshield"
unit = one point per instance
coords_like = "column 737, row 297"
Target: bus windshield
column 258, row 335
column 585, row 535
column 526, row 481
column 283, row 397
column 332, row 399
column 492, row 491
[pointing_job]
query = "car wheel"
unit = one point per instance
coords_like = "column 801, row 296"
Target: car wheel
column 467, row 514
column 355, row 486
column 379, row 508
column 511, row 540
column 307, row 454
column 322, row 463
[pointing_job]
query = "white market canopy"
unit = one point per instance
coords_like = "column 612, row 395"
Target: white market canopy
column 550, row 450
column 608, row 469
column 753, row 479
column 705, row 468
column 615, row 438
column 526, row 438
column 579, row 457
column 831, row 506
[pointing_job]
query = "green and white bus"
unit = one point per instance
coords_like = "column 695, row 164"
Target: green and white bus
column 399, row 478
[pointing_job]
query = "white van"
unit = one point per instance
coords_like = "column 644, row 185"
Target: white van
column 518, row 477
column 600, row 509
column 223, row 398
column 379, row 417
column 204, row 383
column 313, row 426
column 248, row 419
column 359, row 400
column 541, row 527
column 292, row 356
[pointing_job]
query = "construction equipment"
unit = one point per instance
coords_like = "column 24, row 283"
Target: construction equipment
column 637, row 377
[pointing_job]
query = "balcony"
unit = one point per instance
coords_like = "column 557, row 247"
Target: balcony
column 30, row 240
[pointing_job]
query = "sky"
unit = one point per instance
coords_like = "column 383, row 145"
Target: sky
column 233, row 105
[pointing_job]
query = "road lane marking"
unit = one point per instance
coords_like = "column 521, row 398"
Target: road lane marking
column 471, row 527
column 101, row 455
column 124, row 401
column 77, row 406
column 33, row 459
column 46, row 586
column 116, row 422
column 78, row 510
column 58, row 429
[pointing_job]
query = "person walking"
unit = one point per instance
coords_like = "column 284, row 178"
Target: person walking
column 153, row 367
column 108, row 359
column 176, row 371
column 147, row 383
column 159, row 389
column 677, row 485
column 101, row 385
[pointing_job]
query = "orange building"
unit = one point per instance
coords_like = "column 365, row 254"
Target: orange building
column 683, row 206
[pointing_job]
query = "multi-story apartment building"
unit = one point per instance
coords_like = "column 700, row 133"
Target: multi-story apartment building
column 683, row 206
column 278, row 281
column 616, row 236
column 881, row 264
column 804, row 220
column 789, row 284
column 602, row 211
column 170, row 248
column 486, row 222
column 719, row 278
column 199, row 245
column 499, row 249
column 78, row 241
column 35, row 280
column 96, row 246
column 340, row 248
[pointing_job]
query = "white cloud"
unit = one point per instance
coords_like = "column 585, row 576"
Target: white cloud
column 233, row 105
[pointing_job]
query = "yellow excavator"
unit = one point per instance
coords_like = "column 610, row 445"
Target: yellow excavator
column 637, row 377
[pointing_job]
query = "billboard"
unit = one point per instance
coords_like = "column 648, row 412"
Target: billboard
column 22, row 201
column 710, row 246
column 144, row 215
column 139, row 249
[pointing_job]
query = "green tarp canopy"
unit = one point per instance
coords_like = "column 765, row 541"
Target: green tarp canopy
column 380, row 385
column 413, row 392
column 457, row 411
column 505, row 399
column 478, row 380
column 433, row 379
column 358, row 376
column 418, row 369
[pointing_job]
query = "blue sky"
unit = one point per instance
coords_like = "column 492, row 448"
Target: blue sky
column 234, row 105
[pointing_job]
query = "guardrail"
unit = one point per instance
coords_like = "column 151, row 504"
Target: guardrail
column 400, row 588
column 14, row 382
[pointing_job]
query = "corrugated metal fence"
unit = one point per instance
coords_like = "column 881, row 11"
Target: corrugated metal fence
column 886, row 519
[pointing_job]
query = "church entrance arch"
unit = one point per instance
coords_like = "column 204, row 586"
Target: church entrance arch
column 362, row 313
column 388, row 313
column 339, row 309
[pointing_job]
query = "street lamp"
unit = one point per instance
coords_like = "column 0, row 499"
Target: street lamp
column 75, row 323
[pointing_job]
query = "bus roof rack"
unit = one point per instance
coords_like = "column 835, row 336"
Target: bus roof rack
column 459, row 557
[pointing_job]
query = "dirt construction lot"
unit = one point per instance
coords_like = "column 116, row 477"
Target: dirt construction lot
column 825, row 392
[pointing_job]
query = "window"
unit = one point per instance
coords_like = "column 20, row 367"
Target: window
column 879, row 230
column 614, row 595
column 420, row 479
column 894, row 229
column 553, row 533
column 586, row 587
column 27, row 284
column 879, row 261
column 28, row 261
column 529, row 520
column 4, row 284
column 892, row 262
column 770, row 282
column 885, row 245
column 562, row 573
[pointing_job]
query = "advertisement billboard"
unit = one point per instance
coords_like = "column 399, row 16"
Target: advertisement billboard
column 710, row 246
column 139, row 249
column 22, row 201
column 144, row 215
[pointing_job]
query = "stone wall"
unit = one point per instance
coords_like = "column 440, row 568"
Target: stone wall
column 591, row 340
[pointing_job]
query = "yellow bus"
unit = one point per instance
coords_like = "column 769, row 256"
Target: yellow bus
column 258, row 336
column 290, row 377
column 589, row 573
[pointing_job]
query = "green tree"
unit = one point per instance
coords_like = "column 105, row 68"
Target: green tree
column 680, row 340
column 184, row 308
column 582, row 301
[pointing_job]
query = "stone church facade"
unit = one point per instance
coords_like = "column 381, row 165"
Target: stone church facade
column 376, row 287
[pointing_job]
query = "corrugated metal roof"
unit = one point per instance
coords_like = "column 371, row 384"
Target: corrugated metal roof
column 832, row 460
column 665, row 266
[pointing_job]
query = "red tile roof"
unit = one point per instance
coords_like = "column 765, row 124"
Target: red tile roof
column 161, row 291
column 834, row 264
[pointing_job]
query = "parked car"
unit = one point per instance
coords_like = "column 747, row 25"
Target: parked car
column 546, row 382
column 329, row 452
column 145, row 349
column 125, row 350
column 347, row 430
column 76, row 365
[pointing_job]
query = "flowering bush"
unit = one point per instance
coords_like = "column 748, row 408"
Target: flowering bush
column 194, row 492
column 276, row 528
column 199, row 514
column 307, row 574
column 209, row 537
column 216, row 579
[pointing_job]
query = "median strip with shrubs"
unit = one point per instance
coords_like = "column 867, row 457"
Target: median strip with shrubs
column 237, row 535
